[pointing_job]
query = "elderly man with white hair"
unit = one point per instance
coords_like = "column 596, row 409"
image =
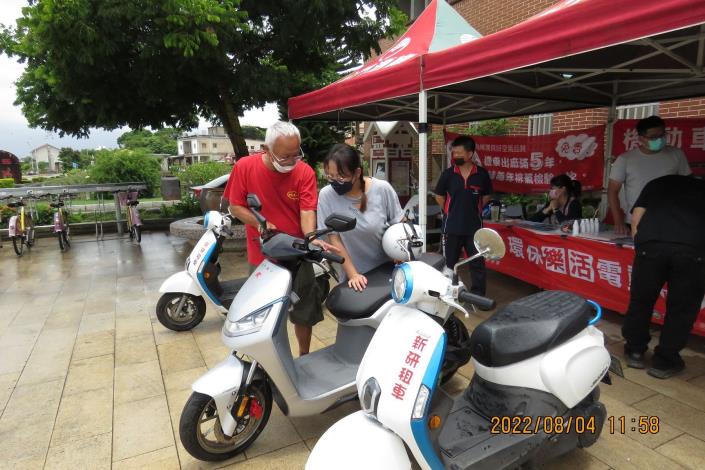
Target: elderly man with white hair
column 287, row 188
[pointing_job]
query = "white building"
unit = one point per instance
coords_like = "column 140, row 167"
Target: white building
column 213, row 145
column 46, row 153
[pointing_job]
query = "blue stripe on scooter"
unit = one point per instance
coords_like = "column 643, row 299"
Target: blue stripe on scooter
column 418, row 426
column 202, row 281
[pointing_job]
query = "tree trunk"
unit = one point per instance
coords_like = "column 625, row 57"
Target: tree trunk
column 231, row 122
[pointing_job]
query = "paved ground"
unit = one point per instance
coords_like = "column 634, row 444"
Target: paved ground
column 90, row 379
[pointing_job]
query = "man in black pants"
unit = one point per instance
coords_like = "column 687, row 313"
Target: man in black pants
column 462, row 191
column 668, row 225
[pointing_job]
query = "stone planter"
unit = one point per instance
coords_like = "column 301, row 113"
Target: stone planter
column 192, row 230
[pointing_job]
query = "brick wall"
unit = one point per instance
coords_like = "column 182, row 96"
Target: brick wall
column 490, row 16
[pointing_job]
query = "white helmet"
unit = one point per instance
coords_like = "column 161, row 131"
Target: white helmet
column 214, row 219
column 397, row 238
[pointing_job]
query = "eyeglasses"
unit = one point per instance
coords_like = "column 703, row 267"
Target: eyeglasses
column 338, row 179
column 288, row 158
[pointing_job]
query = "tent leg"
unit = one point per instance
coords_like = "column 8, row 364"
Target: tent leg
column 423, row 150
column 611, row 118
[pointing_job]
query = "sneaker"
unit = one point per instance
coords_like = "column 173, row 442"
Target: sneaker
column 664, row 368
column 634, row 360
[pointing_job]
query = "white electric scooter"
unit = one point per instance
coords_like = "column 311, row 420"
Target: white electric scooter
column 534, row 394
column 182, row 306
column 231, row 403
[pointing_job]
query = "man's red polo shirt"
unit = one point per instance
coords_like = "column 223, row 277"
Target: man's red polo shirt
column 283, row 197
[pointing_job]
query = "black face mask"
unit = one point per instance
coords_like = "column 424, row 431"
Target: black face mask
column 342, row 188
column 459, row 161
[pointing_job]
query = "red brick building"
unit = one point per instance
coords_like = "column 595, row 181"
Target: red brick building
column 490, row 16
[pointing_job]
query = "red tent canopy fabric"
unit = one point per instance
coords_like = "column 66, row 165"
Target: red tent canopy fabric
column 397, row 71
column 568, row 28
column 576, row 54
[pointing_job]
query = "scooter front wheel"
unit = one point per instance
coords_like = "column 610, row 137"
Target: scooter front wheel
column 191, row 313
column 202, row 435
column 457, row 348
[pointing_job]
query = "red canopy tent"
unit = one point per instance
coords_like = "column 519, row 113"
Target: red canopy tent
column 576, row 54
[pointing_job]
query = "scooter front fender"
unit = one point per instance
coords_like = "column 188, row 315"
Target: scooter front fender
column 357, row 442
column 181, row 283
column 222, row 383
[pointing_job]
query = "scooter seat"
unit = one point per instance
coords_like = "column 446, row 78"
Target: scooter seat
column 528, row 327
column 348, row 304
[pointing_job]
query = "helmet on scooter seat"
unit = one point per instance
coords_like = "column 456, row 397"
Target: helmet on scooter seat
column 400, row 240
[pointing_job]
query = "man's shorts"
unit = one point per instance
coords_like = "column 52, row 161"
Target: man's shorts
column 308, row 311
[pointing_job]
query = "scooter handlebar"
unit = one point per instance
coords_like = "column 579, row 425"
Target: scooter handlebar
column 480, row 301
column 332, row 257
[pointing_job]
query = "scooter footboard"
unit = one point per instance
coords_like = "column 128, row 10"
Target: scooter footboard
column 356, row 442
column 222, row 383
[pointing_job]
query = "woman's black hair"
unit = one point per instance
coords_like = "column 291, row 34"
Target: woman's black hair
column 348, row 159
column 573, row 187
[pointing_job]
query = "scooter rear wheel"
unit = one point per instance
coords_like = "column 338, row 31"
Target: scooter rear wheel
column 192, row 311
column 201, row 433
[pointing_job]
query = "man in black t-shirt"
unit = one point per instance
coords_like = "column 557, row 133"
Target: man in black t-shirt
column 668, row 225
column 462, row 191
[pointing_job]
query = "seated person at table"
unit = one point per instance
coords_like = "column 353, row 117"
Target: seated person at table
column 564, row 204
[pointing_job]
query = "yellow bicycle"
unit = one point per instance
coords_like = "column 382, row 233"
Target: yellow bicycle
column 21, row 227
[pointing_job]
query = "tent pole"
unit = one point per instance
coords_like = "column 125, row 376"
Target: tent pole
column 611, row 118
column 423, row 150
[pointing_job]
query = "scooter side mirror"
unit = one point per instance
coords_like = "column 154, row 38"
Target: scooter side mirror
column 340, row 223
column 489, row 244
column 253, row 202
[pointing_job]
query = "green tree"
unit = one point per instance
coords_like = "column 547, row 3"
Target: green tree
column 200, row 173
column 107, row 63
column 491, row 127
column 159, row 141
column 126, row 166
column 318, row 137
column 253, row 132
column 42, row 167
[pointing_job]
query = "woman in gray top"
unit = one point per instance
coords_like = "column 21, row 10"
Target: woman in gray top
column 374, row 204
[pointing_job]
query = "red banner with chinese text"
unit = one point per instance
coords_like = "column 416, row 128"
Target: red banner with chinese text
column 685, row 134
column 522, row 164
column 595, row 270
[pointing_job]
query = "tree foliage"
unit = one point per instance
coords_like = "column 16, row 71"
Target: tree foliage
column 74, row 159
column 156, row 63
column 318, row 137
column 491, row 127
column 159, row 141
column 201, row 173
column 253, row 132
column 126, row 166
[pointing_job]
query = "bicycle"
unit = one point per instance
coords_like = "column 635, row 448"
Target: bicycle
column 21, row 226
column 134, row 223
column 61, row 222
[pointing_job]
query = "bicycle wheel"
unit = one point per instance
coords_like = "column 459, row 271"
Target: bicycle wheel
column 138, row 233
column 30, row 240
column 60, row 236
column 66, row 235
column 18, row 244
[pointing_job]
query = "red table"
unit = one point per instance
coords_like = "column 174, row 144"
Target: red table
column 596, row 270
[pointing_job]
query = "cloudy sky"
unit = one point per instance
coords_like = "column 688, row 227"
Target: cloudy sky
column 17, row 137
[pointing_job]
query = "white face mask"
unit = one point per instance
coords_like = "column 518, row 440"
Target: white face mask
column 281, row 168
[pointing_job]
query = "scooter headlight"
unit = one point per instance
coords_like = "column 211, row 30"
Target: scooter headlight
column 369, row 398
column 421, row 401
column 402, row 283
column 247, row 324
